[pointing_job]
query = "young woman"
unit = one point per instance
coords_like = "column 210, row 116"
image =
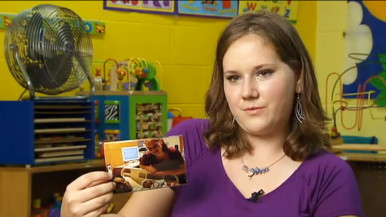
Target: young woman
column 262, row 151
column 162, row 161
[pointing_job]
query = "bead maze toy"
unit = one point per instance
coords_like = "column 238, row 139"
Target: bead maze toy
column 140, row 75
column 145, row 72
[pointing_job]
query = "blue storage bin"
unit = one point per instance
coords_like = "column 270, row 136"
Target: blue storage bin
column 372, row 140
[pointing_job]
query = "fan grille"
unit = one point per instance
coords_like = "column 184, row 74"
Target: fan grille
column 54, row 48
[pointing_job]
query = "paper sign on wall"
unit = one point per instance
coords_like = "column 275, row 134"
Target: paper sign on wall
column 288, row 9
column 154, row 6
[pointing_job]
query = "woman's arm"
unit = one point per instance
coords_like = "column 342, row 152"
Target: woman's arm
column 149, row 203
column 148, row 168
column 181, row 170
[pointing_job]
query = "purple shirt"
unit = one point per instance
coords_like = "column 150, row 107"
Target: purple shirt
column 323, row 186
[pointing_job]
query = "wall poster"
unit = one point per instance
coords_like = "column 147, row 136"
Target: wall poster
column 223, row 9
column 288, row 9
column 148, row 6
column 365, row 74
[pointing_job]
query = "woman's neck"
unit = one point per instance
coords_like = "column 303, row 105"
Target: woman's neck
column 266, row 147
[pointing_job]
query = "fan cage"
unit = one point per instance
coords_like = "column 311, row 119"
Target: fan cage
column 54, row 48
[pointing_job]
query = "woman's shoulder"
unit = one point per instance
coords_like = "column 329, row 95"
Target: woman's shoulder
column 191, row 124
column 192, row 131
column 325, row 158
column 325, row 165
column 329, row 180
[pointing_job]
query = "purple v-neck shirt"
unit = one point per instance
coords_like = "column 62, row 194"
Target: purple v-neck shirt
column 323, row 186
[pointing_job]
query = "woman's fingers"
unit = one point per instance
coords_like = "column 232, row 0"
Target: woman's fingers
column 98, row 204
column 153, row 169
column 75, row 197
column 88, row 195
column 98, row 190
column 89, row 179
column 94, row 207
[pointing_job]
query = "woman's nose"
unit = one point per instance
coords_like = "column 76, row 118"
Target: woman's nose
column 249, row 89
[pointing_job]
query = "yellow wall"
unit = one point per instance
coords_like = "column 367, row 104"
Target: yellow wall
column 331, row 57
column 184, row 45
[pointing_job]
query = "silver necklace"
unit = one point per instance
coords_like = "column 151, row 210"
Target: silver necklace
column 257, row 171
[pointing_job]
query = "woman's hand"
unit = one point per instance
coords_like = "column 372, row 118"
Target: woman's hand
column 161, row 173
column 89, row 195
column 149, row 168
column 152, row 169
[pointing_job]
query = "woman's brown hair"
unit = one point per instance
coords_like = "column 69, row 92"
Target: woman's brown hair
column 304, row 138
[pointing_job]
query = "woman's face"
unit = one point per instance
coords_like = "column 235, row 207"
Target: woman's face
column 154, row 147
column 258, row 86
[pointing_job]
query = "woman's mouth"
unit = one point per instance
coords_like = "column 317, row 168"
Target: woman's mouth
column 253, row 110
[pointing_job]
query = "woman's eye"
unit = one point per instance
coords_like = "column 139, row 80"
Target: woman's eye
column 264, row 73
column 232, row 78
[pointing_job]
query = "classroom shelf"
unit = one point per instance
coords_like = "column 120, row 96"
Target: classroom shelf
column 20, row 185
column 124, row 115
column 43, row 131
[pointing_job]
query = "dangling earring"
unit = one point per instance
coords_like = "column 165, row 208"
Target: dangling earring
column 298, row 109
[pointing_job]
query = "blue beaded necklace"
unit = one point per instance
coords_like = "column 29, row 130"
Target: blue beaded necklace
column 257, row 171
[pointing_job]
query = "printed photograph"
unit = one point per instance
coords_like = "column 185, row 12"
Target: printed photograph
column 145, row 164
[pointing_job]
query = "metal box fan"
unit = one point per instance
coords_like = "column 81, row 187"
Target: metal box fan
column 48, row 50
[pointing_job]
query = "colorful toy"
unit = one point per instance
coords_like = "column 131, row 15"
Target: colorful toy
column 140, row 75
column 145, row 72
column 110, row 81
column 113, row 135
column 149, row 120
column 98, row 80
column 122, row 71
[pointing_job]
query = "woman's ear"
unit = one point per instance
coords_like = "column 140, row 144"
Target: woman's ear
column 298, row 85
